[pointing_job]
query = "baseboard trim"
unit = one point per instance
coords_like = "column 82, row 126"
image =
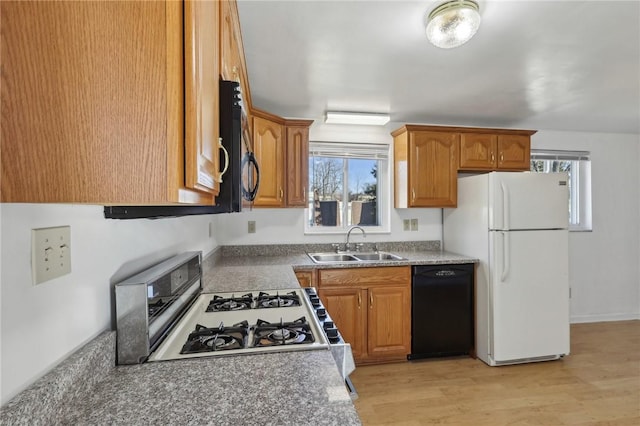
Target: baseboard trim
column 604, row 318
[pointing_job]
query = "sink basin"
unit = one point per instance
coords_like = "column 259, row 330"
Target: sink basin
column 378, row 256
column 332, row 257
column 353, row 257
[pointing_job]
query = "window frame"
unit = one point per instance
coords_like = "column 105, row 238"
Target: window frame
column 580, row 214
column 384, row 184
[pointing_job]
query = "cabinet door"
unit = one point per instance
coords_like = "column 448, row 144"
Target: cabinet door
column 268, row 149
column 514, row 152
column 230, row 64
column 297, row 165
column 306, row 278
column 433, row 169
column 389, row 322
column 478, row 151
column 347, row 308
column 85, row 101
column 201, row 96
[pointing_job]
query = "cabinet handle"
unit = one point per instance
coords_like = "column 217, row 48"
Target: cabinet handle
column 413, row 194
column 370, row 300
column 226, row 158
column 359, row 300
column 502, row 157
column 493, row 157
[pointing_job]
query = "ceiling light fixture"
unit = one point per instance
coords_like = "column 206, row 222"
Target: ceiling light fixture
column 363, row 118
column 453, row 23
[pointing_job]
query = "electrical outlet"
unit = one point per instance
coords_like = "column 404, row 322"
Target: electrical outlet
column 414, row 224
column 406, row 225
column 251, row 226
column 50, row 253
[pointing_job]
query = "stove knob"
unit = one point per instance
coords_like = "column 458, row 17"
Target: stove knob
column 315, row 300
column 331, row 332
column 310, row 291
column 321, row 313
column 328, row 324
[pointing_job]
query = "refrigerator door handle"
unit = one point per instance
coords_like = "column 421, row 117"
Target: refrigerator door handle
column 505, row 256
column 505, row 206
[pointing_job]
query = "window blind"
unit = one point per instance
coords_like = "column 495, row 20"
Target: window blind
column 365, row 151
column 549, row 154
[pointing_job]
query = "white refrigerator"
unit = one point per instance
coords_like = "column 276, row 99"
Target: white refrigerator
column 516, row 224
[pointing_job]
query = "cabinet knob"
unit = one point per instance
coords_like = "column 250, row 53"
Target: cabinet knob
column 493, row 157
column 281, row 194
column 413, row 194
column 370, row 300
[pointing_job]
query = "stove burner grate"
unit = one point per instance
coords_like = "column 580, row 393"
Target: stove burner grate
column 206, row 339
column 219, row 304
column 265, row 300
column 282, row 333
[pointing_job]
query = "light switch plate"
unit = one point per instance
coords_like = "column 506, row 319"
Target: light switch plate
column 406, row 224
column 251, row 226
column 50, row 253
column 414, row 224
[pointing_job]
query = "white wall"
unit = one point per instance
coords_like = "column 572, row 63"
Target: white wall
column 604, row 271
column 43, row 324
column 286, row 226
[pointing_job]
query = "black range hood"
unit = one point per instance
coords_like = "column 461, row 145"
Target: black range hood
column 157, row 212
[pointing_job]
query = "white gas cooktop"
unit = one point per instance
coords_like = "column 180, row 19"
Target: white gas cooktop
column 219, row 324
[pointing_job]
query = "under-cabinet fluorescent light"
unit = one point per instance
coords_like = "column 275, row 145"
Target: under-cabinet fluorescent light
column 356, row 118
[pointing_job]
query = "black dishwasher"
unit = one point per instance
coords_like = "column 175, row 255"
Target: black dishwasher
column 441, row 310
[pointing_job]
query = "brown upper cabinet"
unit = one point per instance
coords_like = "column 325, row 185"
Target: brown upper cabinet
column 281, row 147
column 495, row 151
column 427, row 160
column 426, row 166
column 110, row 111
column 202, row 114
column 268, row 147
column 232, row 63
column 297, row 160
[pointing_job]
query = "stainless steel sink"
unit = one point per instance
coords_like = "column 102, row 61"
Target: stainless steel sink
column 378, row 256
column 353, row 257
column 332, row 257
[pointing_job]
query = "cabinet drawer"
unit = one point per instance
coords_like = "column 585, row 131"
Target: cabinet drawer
column 392, row 275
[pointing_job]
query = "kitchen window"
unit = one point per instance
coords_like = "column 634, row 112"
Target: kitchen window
column 348, row 185
column 578, row 166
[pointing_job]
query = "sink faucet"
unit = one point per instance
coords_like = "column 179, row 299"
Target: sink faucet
column 347, row 245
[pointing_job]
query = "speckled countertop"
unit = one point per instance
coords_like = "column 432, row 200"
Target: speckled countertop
column 236, row 390
column 235, row 268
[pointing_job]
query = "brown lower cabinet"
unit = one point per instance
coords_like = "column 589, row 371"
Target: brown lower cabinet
column 306, row 278
column 372, row 309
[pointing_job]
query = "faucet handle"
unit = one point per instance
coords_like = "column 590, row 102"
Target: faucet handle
column 375, row 247
column 336, row 247
column 359, row 246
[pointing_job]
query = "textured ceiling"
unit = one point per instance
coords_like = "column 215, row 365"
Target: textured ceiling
column 543, row 65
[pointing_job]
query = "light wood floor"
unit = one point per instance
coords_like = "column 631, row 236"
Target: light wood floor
column 597, row 384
